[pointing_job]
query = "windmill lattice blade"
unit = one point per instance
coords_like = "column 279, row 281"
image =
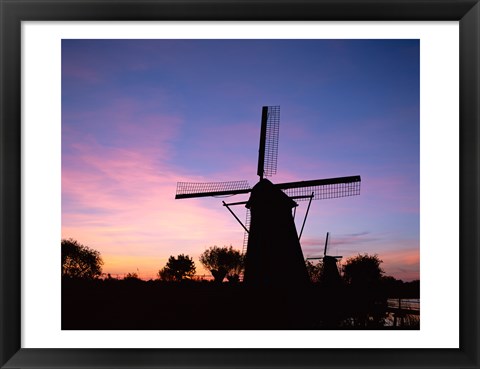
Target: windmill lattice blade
column 268, row 150
column 323, row 188
column 245, row 235
column 206, row 189
column 271, row 141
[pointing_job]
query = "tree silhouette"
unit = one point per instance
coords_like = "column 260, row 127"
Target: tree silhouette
column 314, row 271
column 363, row 270
column 165, row 274
column 177, row 269
column 80, row 261
column 364, row 276
column 223, row 262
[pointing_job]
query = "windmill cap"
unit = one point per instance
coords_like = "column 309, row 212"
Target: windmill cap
column 266, row 193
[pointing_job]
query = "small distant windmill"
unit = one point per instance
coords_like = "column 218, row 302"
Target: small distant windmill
column 330, row 274
column 274, row 255
column 325, row 251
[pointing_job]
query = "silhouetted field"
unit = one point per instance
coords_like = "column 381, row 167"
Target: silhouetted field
column 154, row 305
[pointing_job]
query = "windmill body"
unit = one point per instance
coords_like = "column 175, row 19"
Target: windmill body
column 330, row 275
column 274, row 256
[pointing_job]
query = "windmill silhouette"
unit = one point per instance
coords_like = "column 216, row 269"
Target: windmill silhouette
column 330, row 274
column 327, row 238
column 274, row 255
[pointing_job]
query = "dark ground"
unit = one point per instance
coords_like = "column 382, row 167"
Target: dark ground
column 140, row 305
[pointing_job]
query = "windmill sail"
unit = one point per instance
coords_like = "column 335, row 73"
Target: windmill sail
column 326, row 245
column 322, row 188
column 268, row 150
column 206, row 189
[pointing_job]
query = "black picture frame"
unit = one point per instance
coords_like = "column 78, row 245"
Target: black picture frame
column 13, row 12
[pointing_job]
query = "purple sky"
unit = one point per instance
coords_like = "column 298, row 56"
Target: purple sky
column 140, row 115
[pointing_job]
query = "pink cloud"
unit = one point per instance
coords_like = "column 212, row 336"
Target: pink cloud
column 121, row 202
column 402, row 263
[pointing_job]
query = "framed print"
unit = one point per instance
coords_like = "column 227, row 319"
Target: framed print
column 126, row 127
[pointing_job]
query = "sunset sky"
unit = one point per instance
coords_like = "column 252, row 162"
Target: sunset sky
column 138, row 116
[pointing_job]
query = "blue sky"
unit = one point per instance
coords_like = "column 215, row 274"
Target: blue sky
column 140, row 115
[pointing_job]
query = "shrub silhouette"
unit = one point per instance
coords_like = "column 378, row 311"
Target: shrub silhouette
column 363, row 270
column 177, row 269
column 131, row 277
column 364, row 277
column 80, row 261
column 223, row 262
